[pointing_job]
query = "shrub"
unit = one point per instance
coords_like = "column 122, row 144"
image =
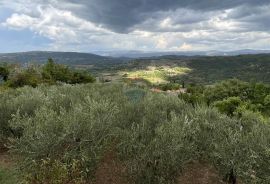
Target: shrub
column 4, row 73
column 55, row 172
column 81, row 77
column 50, row 73
column 155, row 151
column 69, row 128
column 63, row 127
column 223, row 95
column 28, row 77
column 228, row 106
column 169, row 86
column 53, row 72
column 56, row 72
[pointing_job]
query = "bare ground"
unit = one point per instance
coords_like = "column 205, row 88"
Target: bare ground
column 110, row 170
column 5, row 159
column 199, row 173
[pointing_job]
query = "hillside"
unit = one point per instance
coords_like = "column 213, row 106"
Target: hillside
column 69, row 58
column 208, row 70
column 59, row 125
column 202, row 69
column 143, row 54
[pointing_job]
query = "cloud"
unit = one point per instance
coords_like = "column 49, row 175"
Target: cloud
column 185, row 46
column 85, row 25
column 55, row 24
column 123, row 15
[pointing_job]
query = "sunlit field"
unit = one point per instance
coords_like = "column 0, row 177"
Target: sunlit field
column 156, row 75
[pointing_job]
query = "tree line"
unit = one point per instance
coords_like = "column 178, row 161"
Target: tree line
column 51, row 73
column 232, row 97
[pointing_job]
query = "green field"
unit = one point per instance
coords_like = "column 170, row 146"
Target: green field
column 156, row 75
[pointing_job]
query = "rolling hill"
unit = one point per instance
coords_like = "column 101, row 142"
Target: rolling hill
column 203, row 69
column 210, row 69
column 69, row 58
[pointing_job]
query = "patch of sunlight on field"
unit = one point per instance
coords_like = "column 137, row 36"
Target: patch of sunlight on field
column 156, row 75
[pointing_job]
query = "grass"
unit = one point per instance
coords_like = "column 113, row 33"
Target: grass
column 8, row 176
column 157, row 75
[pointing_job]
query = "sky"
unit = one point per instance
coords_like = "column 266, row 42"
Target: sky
column 146, row 25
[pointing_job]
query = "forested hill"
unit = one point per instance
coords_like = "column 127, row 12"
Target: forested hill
column 244, row 67
column 203, row 69
column 69, row 58
column 207, row 70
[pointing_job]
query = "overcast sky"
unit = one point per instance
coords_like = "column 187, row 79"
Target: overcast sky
column 149, row 25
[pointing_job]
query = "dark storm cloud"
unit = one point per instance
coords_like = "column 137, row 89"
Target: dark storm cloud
column 123, row 15
column 255, row 18
column 145, row 24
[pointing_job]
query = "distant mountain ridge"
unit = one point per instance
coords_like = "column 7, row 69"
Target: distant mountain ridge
column 70, row 58
column 108, row 58
column 142, row 54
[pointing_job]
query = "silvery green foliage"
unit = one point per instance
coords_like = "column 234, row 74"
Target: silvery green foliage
column 64, row 123
column 170, row 134
column 155, row 136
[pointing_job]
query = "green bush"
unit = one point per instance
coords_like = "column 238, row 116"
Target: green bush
column 61, row 124
column 169, row 86
column 55, row 172
column 228, row 95
column 56, row 72
column 4, row 72
column 34, row 75
column 229, row 105
column 27, row 77
column 81, row 77
column 69, row 129
column 53, row 72
column 171, row 134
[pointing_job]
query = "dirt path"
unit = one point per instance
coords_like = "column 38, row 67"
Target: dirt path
column 199, row 173
column 6, row 161
column 110, row 170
